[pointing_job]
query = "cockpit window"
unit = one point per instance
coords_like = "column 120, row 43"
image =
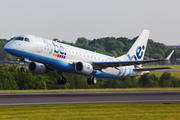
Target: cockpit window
column 27, row 39
column 19, row 38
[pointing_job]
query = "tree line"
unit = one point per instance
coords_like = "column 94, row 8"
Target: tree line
column 11, row 78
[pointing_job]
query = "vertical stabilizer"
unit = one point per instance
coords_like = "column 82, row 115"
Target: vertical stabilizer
column 138, row 49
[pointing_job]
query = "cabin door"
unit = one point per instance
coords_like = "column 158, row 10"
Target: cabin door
column 40, row 45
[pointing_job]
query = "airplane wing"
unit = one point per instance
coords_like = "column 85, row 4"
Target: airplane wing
column 152, row 69
column 103, row 65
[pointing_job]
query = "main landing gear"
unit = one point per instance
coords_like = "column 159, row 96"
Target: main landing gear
column 92, row 80
column 61, row 80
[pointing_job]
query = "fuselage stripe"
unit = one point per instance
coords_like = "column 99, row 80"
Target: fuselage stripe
column 124, row 71
column 130, row 70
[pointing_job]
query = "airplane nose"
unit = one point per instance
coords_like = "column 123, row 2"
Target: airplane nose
column 11, row 48
column 7, row 46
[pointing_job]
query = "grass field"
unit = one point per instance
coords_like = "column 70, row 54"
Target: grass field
column 168, row 111
column 159, row 73
column 174, row 73
column 89, row 90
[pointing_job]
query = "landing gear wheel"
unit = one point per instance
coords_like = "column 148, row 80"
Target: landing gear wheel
column 61, row 80
column 89, row 81
column 92, row 80
column 23, row 69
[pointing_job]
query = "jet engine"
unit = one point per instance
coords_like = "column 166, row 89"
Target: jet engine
column 84, row 68
column 37, row 68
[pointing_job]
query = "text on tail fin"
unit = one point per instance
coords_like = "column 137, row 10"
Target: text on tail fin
column 139, row 53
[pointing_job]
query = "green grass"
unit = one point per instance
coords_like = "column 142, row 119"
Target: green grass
column 92, row 112
column 159, row 73
column 89, row 90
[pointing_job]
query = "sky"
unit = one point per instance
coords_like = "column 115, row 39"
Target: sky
column 68, row 20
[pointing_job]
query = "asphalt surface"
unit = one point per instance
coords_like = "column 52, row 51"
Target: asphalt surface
column 88, row 98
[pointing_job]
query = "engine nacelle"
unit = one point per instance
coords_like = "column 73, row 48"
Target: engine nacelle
column 84, row 68
column 37, row 68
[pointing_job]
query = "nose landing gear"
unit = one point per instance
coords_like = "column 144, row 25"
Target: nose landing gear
column 24, row 68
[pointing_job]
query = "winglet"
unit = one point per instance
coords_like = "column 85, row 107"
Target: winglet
column 169, row 55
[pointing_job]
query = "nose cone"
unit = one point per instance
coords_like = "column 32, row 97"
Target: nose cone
column 6, row 47
column 9, row 47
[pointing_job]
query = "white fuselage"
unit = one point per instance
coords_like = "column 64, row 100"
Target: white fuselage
column 58, row 56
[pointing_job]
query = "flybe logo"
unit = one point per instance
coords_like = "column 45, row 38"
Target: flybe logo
column 139, row 53
column 88, row 67
column 58, row 51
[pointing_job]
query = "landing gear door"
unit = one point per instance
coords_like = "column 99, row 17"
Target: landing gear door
column 40, row 45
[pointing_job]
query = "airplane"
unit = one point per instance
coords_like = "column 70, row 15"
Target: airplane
column 45, row 55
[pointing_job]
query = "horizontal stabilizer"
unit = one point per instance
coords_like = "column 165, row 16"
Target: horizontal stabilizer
column 152, row 69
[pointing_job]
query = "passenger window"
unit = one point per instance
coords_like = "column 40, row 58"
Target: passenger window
column 26, row 39
column 19, row 38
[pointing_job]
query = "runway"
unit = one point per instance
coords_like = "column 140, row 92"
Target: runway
column 88, row 98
